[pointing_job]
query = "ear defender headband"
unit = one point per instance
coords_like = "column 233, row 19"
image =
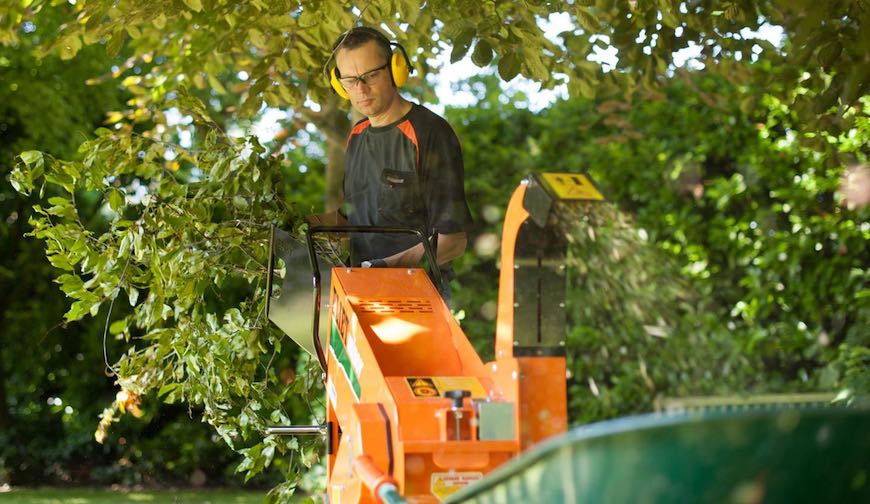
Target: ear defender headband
column 399, row 65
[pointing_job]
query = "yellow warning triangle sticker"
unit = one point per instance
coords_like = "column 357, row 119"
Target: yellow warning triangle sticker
column 572, row 186
column 419, row 382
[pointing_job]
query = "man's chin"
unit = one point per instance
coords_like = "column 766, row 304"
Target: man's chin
column 364, row 106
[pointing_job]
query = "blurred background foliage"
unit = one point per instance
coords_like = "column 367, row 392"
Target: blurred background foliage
column 53, row 383
column 726, row 261
column 728, row 264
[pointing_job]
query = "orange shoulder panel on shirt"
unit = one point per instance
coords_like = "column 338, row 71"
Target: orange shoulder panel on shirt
column 408, row 130
column 357, row 129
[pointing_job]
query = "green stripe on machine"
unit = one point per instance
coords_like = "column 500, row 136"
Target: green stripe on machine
column 340, row 353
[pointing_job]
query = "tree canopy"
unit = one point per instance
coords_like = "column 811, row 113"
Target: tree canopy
column 282, row 47
column 244, row 55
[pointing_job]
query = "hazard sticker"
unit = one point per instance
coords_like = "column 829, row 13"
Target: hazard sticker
column 572, row 186
column 435, row 386
column 423, row 387
column 445, row 484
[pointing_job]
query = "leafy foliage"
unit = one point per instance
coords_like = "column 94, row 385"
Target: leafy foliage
column 187, row 252
column 50, row 386
column 275, row 53
column 281, row 45
column 714, row 284
column 819, row 71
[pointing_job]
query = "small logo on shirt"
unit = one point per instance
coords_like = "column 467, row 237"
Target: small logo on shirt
column 392, row 179
column 397, row 178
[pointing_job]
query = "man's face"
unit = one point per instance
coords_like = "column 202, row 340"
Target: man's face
column 375, row 96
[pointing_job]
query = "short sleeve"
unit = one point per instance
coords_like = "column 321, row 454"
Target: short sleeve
column 443, row 175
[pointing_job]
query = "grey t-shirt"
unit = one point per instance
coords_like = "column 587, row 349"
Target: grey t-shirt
column 408, row 174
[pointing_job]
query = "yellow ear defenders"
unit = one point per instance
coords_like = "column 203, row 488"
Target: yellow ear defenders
column 399, row 65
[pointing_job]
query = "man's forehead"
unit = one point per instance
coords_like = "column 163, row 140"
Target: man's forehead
column 364, row 55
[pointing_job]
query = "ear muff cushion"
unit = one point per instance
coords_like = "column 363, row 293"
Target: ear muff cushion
column 336, row 85
column 399, row 67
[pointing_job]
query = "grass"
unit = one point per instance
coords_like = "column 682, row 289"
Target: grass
column 106, row 496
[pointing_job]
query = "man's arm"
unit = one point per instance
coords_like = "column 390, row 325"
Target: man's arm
column 450, row 246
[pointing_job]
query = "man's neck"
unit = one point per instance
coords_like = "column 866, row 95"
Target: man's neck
column 397, row 109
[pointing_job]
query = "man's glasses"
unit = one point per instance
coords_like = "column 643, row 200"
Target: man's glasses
column 365, row 78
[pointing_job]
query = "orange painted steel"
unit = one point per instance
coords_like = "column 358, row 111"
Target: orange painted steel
column 542, row 411
column 371, row 475
column 504, row 327
column 393, row 351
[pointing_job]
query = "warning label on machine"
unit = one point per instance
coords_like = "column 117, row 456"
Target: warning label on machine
column 572, row 186
column 445, row 484
column 435, row 386
column 423, row 387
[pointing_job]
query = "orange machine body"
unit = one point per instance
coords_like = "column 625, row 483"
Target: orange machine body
column 394, row 351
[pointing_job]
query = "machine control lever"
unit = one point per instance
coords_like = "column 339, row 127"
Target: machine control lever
column 296, row 430
column 457, row 396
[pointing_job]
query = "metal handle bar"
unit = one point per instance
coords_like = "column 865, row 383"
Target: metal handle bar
column 296, row 430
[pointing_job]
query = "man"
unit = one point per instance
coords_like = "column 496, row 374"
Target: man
column 404, row 163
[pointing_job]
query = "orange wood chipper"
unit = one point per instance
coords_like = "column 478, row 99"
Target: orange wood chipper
column 412, row 413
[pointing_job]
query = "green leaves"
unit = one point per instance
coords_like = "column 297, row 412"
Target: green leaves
column 283, row 55
column 115, row 198
column 22, row 177
column 256, row 37
column 587, row 19
column 32, row 158
column 482, row 54
column 194, row 5
column 69, row 46
column 159, row 22
column 188, row 256
column 705, row 276
column 461, row 44
column 509, row 66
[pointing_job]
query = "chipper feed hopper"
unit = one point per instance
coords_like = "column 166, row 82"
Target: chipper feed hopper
column 414, row 415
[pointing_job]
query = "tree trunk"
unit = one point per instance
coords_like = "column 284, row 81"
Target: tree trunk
column 334, row 176
column 332, row 121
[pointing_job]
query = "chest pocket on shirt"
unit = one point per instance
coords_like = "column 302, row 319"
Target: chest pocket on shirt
column 398, row 197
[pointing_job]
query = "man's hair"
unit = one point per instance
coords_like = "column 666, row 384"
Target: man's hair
column 361, row 35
